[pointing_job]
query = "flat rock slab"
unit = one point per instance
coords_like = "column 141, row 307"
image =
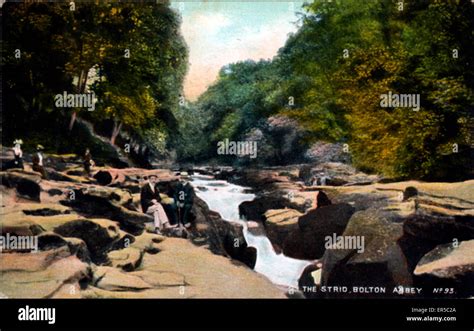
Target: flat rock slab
column 207, row 275
column 112, row 279
column 43, row 283
column 31, row 262
column 446, row 260
column 282, row 217
column 127, row 259
column 160, row 278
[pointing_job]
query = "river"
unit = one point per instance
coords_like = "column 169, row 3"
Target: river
column 225, row 198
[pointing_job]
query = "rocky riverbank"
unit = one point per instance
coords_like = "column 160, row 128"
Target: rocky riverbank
column 94, row 242
column 417, row 237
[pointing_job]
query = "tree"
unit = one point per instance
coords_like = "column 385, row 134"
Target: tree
column 59, row 46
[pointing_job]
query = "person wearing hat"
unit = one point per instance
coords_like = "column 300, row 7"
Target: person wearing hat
column 88, row 162
column 150, row 201
column 17, row 162
column 38, row 159
column 184, row 199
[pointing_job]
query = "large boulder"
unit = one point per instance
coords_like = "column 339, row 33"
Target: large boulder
column 380, row 263
column 308, row 240
column 127, row 259
column 310, row 280
column 264, row 179
column 103, row 177
column 279, row 223
column 336, row 215
column 322, row 199
column 424, row 230
column 221, row 237
column 50, row 240
column 100, row 236
column 255, row 210
column 26, row 183
column 108, row 203
column 450, row 267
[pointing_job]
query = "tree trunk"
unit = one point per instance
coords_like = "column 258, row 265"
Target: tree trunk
column 115, row 132
column 81, row 85
column 73, row 119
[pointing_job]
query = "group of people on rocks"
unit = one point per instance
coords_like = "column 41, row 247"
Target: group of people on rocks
column 150, row 199
column 179, row 210
column 38, row 160
column 17, row 162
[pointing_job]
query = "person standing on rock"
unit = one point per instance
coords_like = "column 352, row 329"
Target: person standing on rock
column 38, row 160
column 17, row 162
column 150, row 201
column 184, row 199
column 88, row 162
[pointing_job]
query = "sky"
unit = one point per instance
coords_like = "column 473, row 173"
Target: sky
column 222, row 32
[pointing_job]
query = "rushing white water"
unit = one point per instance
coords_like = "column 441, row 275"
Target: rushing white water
column 225, row 198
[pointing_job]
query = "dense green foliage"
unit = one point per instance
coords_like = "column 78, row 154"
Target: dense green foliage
column 130, row 55
column 325, row 84
column 335, row 68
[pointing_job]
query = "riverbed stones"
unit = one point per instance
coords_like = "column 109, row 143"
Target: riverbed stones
column 89, row 227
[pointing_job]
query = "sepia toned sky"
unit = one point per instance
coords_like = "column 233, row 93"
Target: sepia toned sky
column 222, row 32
